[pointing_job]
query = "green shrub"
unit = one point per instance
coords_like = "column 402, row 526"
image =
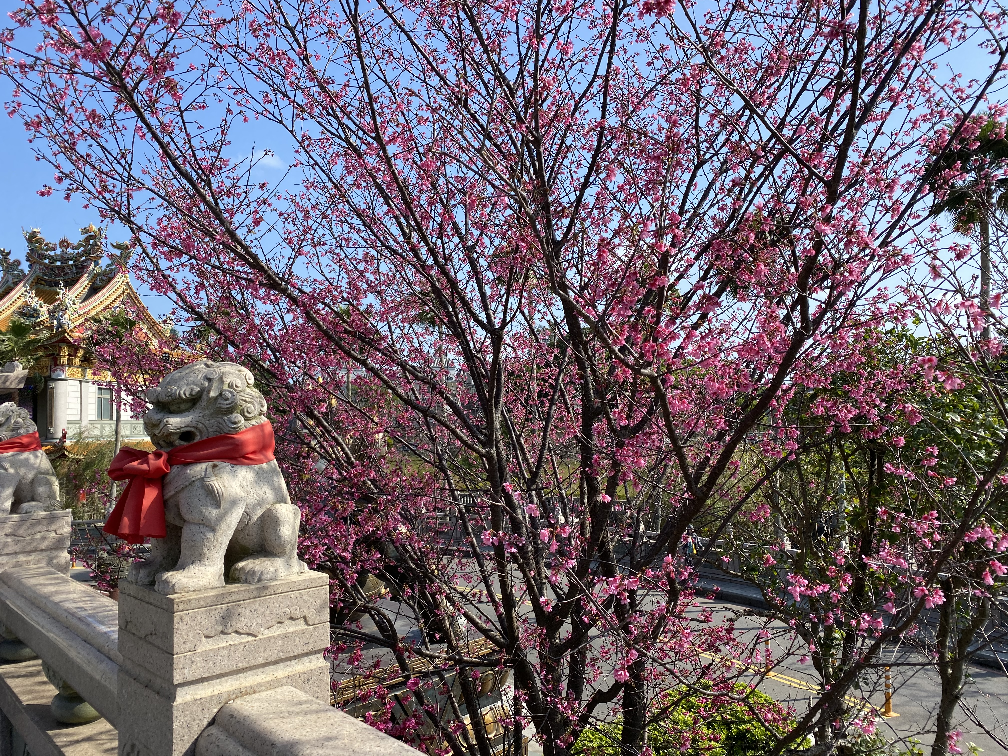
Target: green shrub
column 81, row 467
column 701, row 725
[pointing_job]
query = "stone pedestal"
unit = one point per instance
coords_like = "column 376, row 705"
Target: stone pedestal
column 39, row 538
column 184, row 656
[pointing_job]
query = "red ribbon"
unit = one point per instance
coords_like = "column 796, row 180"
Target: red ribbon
column 139, row 513
column 27, row 442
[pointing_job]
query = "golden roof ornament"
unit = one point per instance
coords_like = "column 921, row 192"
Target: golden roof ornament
column 63, row 311
column 65, row 262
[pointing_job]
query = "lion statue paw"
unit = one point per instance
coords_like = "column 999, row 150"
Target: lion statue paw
column 196, row 577
column 261, row 569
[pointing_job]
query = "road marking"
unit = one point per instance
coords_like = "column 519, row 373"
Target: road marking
column 793, row 682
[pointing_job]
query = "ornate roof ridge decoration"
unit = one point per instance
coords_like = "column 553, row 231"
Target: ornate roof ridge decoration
column 64, row 262
column 32, row 310
column 10, row 271
column 64, row 312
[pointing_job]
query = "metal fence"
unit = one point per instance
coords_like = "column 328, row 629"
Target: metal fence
column 106, row 555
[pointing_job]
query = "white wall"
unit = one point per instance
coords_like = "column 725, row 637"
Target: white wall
column 91, row 401
column 73, row 401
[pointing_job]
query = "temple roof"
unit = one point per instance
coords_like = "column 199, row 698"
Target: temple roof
column 66, row 286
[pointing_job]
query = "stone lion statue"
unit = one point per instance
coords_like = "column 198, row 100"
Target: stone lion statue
column 218, row 515
column 27, row 480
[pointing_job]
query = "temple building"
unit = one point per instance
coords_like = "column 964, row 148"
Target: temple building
column 46, row 315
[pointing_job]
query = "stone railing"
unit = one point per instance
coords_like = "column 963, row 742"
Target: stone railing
column 232, row 671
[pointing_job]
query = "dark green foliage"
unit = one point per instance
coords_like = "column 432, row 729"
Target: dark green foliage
column 698, row 725
column 21, row 343
column 82, row 477
column 968, row 201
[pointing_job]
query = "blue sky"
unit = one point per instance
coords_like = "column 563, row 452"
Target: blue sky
column 22, row 208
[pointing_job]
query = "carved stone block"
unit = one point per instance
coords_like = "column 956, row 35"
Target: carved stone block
column 186, row 655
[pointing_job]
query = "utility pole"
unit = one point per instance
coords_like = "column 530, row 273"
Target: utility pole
column 985, row 263
column 117, row 444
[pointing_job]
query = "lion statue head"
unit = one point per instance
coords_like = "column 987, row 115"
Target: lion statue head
column 14, row 421
column 201, row 400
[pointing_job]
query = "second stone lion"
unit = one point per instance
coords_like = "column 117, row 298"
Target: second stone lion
column 225, row 502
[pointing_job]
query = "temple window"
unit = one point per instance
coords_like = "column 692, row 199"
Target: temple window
column 104, row 406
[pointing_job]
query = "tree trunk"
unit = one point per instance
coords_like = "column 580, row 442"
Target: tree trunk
column 634, row 711
column 954, row 641
column 517, row 745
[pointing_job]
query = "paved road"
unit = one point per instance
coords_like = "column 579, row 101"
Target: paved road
column 915, row 690
column 915, row 687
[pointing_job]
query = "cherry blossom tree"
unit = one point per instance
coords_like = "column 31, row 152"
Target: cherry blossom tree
column 889, row 531
column 956, row 465
column 573, row 259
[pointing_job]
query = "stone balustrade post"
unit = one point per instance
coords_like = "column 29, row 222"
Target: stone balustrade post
column 186, row 655
column 38, row 538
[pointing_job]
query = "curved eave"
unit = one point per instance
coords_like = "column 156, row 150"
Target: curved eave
column 105, row 298
column 15, row 297
column 82, row 284
column 115, row 291
column 13, row 300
